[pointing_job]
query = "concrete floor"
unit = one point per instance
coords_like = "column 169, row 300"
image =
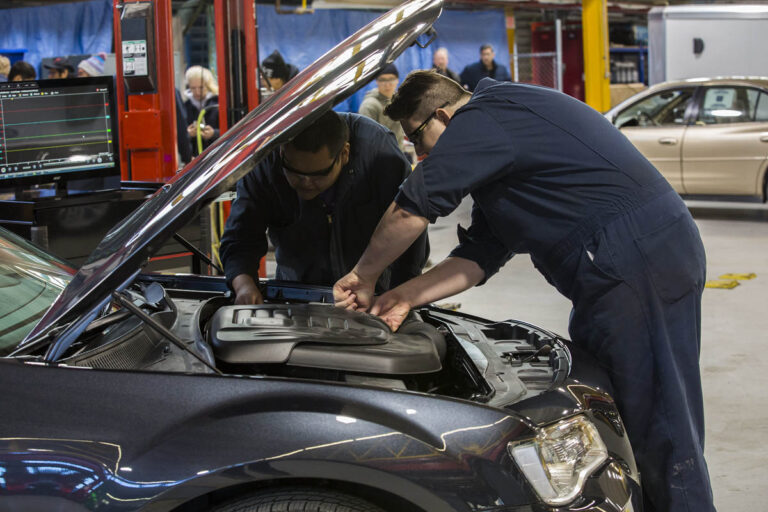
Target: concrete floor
column 734, row 365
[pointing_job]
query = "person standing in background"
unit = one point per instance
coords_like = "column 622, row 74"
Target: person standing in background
column 440, row 65
column 487, row 67
column 21, row 71
column 376, row 100
column 202, row 93
column 92, row 66
column 5, row 68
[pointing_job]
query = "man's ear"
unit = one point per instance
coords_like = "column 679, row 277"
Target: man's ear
column 444, row 116
column 345, row 151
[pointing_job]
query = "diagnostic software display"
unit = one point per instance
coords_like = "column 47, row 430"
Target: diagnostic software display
column 53, row 130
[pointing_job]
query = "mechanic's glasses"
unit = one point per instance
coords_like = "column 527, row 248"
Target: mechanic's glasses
column 322, row 173
column 415, row 135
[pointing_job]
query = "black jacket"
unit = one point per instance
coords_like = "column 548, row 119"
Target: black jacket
column 473, row 73
column 211, row 118
column 317, row 243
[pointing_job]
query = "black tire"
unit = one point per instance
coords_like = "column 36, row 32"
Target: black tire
column 297, row 499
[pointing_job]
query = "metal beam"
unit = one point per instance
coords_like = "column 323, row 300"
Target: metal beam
column 597, row 69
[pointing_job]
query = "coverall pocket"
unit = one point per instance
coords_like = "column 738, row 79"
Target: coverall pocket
column 674, row 258
column 598, row 254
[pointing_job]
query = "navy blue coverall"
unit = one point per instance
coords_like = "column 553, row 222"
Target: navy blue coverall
column 320, row 240
column 552, row 177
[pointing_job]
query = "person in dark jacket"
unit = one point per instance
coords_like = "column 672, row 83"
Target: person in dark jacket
column 487, row 67
column 202, row 93
column 440, row 65
column 277, row 71
column 320, row 197
column 553, row 178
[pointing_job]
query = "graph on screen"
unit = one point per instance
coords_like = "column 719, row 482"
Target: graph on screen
column 55, row 127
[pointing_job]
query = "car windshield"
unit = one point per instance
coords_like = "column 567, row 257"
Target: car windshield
column 30, row 280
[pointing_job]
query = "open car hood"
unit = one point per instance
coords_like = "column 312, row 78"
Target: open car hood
column 330, row 79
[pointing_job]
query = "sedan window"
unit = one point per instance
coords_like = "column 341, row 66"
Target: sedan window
column 724, row 105
column 660, row 109
column 761, row 114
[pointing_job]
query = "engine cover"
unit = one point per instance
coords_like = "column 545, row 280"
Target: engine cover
column 323, row 336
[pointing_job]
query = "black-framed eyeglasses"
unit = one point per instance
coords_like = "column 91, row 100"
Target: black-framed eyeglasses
column 415, row 135
column 322, row 173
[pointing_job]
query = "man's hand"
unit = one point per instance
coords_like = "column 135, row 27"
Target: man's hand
column 192, row 130
column 391, row 307
column 354, row 292
column 246, row 290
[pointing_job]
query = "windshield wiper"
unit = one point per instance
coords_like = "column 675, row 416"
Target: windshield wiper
column 159, row 328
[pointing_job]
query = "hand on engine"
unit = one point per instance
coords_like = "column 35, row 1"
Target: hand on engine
column 354, row 292
column 246, row 290
column 392, row 308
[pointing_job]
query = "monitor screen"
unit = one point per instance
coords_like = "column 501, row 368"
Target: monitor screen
column 56, row 130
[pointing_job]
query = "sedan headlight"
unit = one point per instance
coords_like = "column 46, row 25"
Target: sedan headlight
column 560, row 458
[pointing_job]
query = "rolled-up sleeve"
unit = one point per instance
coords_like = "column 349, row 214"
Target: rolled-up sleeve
column 479, row 244
column 473, row 151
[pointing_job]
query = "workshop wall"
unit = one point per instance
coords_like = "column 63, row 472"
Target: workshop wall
column 302, row 38
column 58, row 30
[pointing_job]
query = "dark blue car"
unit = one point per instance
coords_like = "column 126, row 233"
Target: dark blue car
column 128, row 391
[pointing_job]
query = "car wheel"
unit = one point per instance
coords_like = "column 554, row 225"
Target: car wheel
column 305, row 499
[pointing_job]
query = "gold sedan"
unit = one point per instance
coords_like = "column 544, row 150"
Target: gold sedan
column 706, row 136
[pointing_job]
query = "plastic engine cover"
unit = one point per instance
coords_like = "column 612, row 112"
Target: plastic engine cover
column 323, row 336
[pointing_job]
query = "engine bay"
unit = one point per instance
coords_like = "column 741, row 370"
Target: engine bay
column 298, row 334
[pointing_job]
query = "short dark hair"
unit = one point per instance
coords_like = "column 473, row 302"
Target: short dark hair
column 421, row 92
column 330, row 130
column 486, row 46
column 22, row 69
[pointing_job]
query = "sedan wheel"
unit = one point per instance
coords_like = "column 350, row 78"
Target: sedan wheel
column 304, row 499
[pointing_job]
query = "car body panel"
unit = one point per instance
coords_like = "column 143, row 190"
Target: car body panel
column 333, row 77
column 728, row 159
column 162, row 440
column 710, row 150
column 662, row 146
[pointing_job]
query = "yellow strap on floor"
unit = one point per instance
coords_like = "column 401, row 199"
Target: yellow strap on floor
column 722, row 283
column 739, row 277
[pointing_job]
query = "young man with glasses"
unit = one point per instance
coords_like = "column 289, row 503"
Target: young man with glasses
column 376, row 100
column 319, row 197
column 553, row 178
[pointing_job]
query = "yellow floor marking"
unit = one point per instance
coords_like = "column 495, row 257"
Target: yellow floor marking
column 739, row 277
column 722, row 283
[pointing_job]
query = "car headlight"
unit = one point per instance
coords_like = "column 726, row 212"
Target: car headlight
column 560, row 458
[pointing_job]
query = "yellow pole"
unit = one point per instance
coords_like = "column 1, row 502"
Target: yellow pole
column 597, row 69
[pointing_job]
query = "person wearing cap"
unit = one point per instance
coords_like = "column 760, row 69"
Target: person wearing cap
column 92, row 66
column 21, row 71
column 376, row 100
column 202, row 93
column 319, row 197
column 277, row 71
column 59, row 69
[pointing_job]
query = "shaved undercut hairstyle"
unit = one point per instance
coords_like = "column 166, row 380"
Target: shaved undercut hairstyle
column 421, row 93
column 330, row 130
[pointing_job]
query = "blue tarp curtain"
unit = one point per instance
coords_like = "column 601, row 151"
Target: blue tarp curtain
column 86, row 28
column 302, row 38
column 58, row 29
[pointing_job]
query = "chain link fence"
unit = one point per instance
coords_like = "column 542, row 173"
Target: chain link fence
column 536, row 68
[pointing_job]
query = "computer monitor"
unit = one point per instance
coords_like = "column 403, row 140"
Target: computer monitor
column 60, row 132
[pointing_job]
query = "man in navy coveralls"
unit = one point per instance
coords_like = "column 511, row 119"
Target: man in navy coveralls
column 551, row 177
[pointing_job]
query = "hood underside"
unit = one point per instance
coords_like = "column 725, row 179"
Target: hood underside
column 329, row 80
